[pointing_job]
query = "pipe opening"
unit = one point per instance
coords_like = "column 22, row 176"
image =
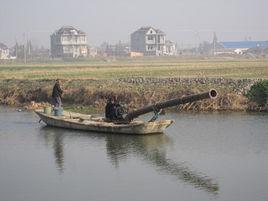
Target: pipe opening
column 213, row 93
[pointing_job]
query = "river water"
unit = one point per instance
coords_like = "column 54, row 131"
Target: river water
column 221, row 157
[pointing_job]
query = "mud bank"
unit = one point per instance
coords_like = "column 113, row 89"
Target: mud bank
column 134, row 92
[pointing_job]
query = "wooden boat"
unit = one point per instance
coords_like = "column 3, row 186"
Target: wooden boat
column 71, row 120
column 129, row 125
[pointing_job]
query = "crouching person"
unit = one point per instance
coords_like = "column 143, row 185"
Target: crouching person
column 113, row 110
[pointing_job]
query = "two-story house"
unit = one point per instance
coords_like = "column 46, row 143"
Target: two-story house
column 69, row 42
column 149, row 41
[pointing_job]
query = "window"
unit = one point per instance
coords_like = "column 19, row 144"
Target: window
column 65, row 50
column 150, row 48
column 63, row 38
column 159, row 39
column 150, row 37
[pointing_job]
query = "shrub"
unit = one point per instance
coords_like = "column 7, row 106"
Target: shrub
column 259, row 93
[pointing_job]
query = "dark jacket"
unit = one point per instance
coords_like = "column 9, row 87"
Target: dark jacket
column 109, row 110
column 57, row 91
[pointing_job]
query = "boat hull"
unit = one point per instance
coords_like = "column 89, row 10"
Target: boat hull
column 88, row 123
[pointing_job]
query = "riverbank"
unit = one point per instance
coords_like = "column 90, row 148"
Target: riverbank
column 135, row 92
column 136, row 82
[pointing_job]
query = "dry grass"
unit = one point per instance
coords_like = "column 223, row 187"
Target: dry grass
column 91, row 95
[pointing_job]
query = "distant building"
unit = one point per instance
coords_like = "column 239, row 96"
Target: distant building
column 69, row 42
column 239, row 47
column 4, row 52
column 136, row 54
column 39, row 53
column 149, row 41
column 171, row 48
column 93, row 51
column 118, row 50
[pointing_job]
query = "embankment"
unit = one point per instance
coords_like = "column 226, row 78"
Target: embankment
column 134, row 91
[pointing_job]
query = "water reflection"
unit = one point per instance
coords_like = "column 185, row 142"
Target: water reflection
column 58, row 151
column 55, row 138
column 150, row 148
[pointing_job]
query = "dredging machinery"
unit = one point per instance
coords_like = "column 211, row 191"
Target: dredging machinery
column 157, row 107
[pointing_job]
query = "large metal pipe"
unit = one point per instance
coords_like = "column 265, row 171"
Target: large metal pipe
column 212, row 94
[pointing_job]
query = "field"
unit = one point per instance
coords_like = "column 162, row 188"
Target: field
column 107, row 70
column 135, row 82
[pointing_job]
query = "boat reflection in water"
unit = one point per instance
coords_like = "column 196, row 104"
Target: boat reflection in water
column 149, row 148
column 55, row 138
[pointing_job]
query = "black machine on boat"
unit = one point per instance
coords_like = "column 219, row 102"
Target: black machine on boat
column 120, row 116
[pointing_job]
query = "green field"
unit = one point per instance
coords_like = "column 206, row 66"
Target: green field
column 170, row 67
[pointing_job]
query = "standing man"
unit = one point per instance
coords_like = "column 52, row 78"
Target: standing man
column 57, row 94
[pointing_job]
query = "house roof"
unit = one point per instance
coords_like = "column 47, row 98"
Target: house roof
column 169, row 42
column 244, row 44
column 3, row 46
column 69, row 30
column 159, row 31
column 147, row 28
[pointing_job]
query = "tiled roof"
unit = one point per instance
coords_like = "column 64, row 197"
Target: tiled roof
column 244, row 44
column 147, row 28
column 159, row 31
column 3, row 46
column 69, row 30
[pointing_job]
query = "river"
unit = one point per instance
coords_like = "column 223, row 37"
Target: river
column 204, row 156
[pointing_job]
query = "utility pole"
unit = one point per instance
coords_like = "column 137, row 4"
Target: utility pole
column 16, row 48
column 215, row 41
column 24, row 49
column 197, row 40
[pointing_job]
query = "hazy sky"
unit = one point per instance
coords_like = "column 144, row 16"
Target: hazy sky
column 184, row 21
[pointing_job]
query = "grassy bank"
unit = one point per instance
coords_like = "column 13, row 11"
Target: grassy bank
column 135, row 92
column 136, row 82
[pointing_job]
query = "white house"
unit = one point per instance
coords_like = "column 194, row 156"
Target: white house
column 149, row 41
column 69, row 42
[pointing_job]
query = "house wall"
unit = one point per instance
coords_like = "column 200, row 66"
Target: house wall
column 161, row 39
column 73, row 40
column 4, row 53
column 68, row 45
column 138, row 42
column 150, row 40
column 171, row 50
column 56, row 47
